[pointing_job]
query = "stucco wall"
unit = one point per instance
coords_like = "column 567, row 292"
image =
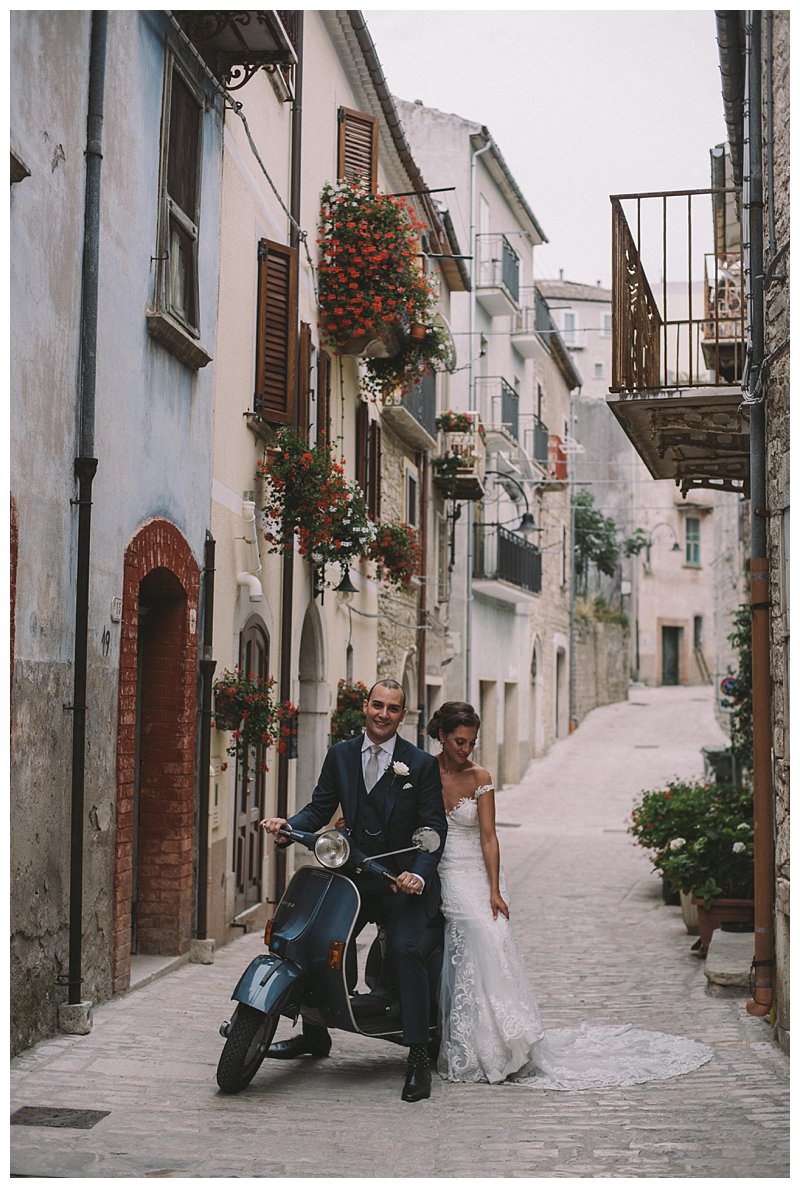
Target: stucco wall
column 601, row 675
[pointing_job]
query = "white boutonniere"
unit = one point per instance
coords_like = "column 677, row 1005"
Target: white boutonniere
column 400, row 769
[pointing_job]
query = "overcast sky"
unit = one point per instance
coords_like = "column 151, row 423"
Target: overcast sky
column 582, row 104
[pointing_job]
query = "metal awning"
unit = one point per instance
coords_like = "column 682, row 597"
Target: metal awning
column 695, row 436
column 240, row 43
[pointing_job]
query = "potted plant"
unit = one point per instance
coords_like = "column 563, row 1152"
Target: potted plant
column 347, row 720
column 306, row 493
column 396, row 549
column 374, row 299
column 451, row 421
column 709, row 855
column 244, row 704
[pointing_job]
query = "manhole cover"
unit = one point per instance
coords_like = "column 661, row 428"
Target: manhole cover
column 56, row 1116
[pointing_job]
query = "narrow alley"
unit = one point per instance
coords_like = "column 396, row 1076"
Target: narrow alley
column 600, row 945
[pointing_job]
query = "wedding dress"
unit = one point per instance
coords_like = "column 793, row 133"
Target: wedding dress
column 491, row 1029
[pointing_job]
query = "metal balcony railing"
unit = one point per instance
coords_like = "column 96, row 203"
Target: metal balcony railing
column 506, row 556
column 498, row 404
column 420, row 401
column 688, row 330
column 498, row 264
column 541, row 442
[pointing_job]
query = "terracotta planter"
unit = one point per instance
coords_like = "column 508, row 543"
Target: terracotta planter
column 722, row 911
column 417, row 332
column 225, row 718
column 377, row 344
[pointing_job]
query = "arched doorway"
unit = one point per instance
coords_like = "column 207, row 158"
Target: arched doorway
column 156, row 734
column 251, row 781
column 562, row 694
column 313, row 717
column 535, row 722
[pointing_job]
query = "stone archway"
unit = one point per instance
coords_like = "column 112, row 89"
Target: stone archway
column 411, row 693
column 156, row 730
column 313, row 716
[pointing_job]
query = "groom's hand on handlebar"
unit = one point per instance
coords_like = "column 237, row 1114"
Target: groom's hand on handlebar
column 409, row 883
column 273, row 825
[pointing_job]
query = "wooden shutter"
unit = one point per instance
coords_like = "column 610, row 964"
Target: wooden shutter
column 374, row 471
column 276, row 332
column 323, row 393
column 368, row 460
column 358, row 146
column 304, row 380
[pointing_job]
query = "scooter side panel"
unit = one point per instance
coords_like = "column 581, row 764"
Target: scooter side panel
column 270, row 983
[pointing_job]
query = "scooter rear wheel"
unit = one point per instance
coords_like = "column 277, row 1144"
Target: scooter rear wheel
column 249, row 1037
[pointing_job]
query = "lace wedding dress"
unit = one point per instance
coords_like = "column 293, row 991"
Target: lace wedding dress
column 490, row 1024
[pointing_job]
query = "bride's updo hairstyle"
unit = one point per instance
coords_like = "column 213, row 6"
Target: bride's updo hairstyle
column 450, row 716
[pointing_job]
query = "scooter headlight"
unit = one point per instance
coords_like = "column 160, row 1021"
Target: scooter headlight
column 332, row 849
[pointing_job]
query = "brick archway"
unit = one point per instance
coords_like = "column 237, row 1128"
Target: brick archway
column 157, row 712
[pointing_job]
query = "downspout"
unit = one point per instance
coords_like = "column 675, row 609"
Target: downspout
column 207, row 666
column 422, row 656
column 287, row 584
column 763, row 815
column 85, row 468
column 473, row 403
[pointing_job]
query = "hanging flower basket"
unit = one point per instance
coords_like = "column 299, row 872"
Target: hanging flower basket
column 375, row 300
column 307, row 494
column 245, row 705
column 347, row 720
column 397, row 551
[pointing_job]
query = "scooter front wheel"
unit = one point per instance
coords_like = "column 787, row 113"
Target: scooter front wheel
column 249, row 1037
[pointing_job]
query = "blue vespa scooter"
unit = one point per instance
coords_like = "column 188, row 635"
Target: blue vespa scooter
column 305, row 970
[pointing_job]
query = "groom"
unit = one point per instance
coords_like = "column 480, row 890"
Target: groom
column 387, row 789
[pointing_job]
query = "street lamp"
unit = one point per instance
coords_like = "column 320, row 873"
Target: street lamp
column 527, row 524
column 676, row 548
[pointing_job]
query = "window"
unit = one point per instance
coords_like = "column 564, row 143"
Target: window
column 368, row 459
column 692, row 529
column 175, row 320
column 607, row 324
column 442, row 560
column 276, row 332
column 598, row 371
column 304, row 353
column 570, row 326
column 323, row 394
column 412, row 497
column 358, row 146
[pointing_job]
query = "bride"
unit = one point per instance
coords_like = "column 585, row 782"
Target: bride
column 489, row 1019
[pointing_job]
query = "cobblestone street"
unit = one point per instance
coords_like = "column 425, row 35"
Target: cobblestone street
column 600, row 945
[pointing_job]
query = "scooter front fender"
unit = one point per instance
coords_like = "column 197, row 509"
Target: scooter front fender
column 270, row 984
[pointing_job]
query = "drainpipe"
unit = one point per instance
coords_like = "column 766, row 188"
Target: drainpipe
column 763, row 813
column 473, row 239
column 207, row 666
column 287, row 585
column 422, row 655
column 85, row 468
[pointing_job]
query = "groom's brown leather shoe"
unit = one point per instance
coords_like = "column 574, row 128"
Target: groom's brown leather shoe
column 298, row 1045
column 418, row 1084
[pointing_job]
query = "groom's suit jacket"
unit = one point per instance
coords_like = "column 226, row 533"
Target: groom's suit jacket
column 410, row 801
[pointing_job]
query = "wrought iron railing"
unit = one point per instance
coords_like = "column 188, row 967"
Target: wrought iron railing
column 541, row 442
column 420, row 401
column 687, row 330
column 505, row 556
column 498, row 404
column 498, row 264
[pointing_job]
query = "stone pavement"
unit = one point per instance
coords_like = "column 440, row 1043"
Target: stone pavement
column 600, row 945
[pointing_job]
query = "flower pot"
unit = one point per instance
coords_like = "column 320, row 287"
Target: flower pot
column 417, row 332
column 689, row 913
column 722, row 911
column 226, row 716
column 377, row 344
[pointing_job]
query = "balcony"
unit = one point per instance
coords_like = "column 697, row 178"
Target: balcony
column 237, row 44
column 498, row 404
column 556, row 459
column 459, row 464
column 414, row 417
column 505, row 565
column 524, row 337
column 497, row 282
column 678, row 351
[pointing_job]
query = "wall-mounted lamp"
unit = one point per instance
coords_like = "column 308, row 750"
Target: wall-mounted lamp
column 345, row 590
column 527, row 524
column 676, row 548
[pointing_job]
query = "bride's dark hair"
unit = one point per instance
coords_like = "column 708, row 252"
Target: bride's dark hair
column 450, row 716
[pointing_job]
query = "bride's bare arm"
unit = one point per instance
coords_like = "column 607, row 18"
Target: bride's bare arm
column 490, row 848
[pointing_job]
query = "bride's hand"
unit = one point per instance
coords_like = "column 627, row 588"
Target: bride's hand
column 498, row 905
